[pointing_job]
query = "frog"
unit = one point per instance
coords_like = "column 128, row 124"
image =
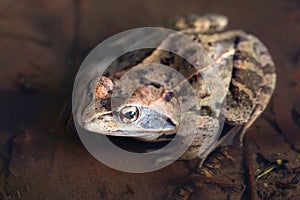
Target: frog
column 150, row 113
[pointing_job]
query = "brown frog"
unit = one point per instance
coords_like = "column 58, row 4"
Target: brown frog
column 151, row 112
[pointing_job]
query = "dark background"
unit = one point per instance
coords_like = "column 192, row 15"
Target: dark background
column 42, row 44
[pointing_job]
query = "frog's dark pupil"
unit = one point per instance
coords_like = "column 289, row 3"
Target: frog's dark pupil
column 130, row 115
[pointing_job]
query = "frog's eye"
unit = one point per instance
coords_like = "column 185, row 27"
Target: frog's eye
column 129, row 114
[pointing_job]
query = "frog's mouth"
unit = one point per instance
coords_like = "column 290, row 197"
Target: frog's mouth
column 146, row 127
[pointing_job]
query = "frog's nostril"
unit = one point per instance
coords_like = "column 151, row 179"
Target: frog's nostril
column 169, row 124
column 169, row 96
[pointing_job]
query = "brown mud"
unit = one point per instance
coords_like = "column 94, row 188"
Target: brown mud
column 42, row 44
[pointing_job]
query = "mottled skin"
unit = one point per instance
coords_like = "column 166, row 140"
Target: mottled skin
column 150, row 112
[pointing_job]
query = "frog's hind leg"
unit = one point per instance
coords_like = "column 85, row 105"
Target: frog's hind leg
column 252, row 84
column 263, row 99
column 207, row 23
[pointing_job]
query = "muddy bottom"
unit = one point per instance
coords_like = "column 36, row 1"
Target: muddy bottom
column 42, row 44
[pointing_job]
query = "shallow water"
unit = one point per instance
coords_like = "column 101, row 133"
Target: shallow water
column 42, row 44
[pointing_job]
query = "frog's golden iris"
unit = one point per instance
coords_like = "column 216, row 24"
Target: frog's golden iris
column 129, row 114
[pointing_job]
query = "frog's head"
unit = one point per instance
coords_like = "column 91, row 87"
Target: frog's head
column 150, row 112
